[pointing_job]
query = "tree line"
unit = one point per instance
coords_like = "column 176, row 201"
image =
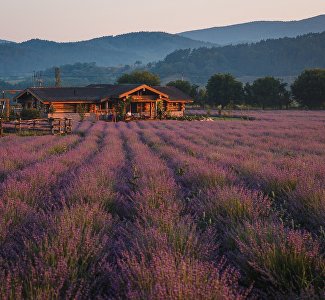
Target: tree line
column 308, row 91
column 224, row 90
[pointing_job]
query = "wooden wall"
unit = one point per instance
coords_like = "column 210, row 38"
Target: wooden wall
column 65, row 107
column 174, row 106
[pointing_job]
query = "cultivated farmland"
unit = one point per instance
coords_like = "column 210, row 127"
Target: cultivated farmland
column 230, row 209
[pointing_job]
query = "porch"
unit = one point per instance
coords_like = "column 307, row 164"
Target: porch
column 142, row 109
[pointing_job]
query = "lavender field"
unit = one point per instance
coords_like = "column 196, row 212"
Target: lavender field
column 229, row 209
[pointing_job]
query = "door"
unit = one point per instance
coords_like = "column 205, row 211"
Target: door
column 134, row 108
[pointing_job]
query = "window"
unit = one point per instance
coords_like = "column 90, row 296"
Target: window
column 109, row 105
column 175, row 106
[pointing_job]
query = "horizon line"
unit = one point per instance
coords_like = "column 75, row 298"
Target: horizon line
column 161, row 31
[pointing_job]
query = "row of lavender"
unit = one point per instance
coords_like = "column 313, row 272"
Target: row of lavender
column 166, row 210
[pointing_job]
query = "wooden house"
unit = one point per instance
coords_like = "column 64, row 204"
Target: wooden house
column 103, row 100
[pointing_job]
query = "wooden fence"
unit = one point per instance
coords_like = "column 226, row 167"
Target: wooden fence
column 42, row 126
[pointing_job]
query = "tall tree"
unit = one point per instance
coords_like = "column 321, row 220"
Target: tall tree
column 248, row 94
column 194, row 90
column 183, row 85
column 269, row 92
column 223, row 89
column 139, row 77
column 309, row 88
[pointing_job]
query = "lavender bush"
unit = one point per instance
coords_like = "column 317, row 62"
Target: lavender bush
column 166, row 210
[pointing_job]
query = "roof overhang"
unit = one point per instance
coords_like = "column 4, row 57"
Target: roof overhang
column 27, row 91
column 141, row 87
column 162, row 96
column 72, row 102
column 184, row 101
column 48, row 101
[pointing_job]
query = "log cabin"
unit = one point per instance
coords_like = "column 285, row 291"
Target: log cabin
column 103, row 100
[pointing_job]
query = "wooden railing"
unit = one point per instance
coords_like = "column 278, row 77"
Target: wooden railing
column 45, row 126
column 105, row 111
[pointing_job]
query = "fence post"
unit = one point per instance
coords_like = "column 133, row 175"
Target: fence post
column 1, row 128
column 70, row 125
column 51, row 125
column 7, row 104
column 19, row 126
column 65, row 125
column 59, row 126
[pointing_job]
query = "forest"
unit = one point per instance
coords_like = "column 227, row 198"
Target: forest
column 280, row 57
column 22, row 58
column 286, row 57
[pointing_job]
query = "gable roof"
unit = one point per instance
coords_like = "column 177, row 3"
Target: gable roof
column 65, row 94
column 173, row 93
column 123, row 90
column 99, row 92
column 114, row 90
column 170, row 92
column 144, row 86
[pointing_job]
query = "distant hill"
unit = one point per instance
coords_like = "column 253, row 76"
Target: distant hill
column 257, row 31
column 81, row 74
column 284, row 58
column 280, row 57
column 106, row 51
column 4, row 42
column 78, row 74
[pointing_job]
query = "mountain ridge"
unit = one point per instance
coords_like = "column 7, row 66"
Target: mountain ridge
column 257, row 30
column 274, row 57
column 37, row 54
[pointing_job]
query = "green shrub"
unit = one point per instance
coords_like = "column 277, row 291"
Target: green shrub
column 187, row 118
column 82, row 110
column 58, row 149
column 29, row 114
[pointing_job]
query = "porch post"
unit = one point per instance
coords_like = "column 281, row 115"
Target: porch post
column 7, row 108
column 152, row 108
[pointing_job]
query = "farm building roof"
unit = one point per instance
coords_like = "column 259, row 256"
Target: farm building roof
column 173, row 93
column 65, row 94
column 97, row 92
column 114, row 90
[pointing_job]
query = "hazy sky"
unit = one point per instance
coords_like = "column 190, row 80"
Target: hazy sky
column 71, row 20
